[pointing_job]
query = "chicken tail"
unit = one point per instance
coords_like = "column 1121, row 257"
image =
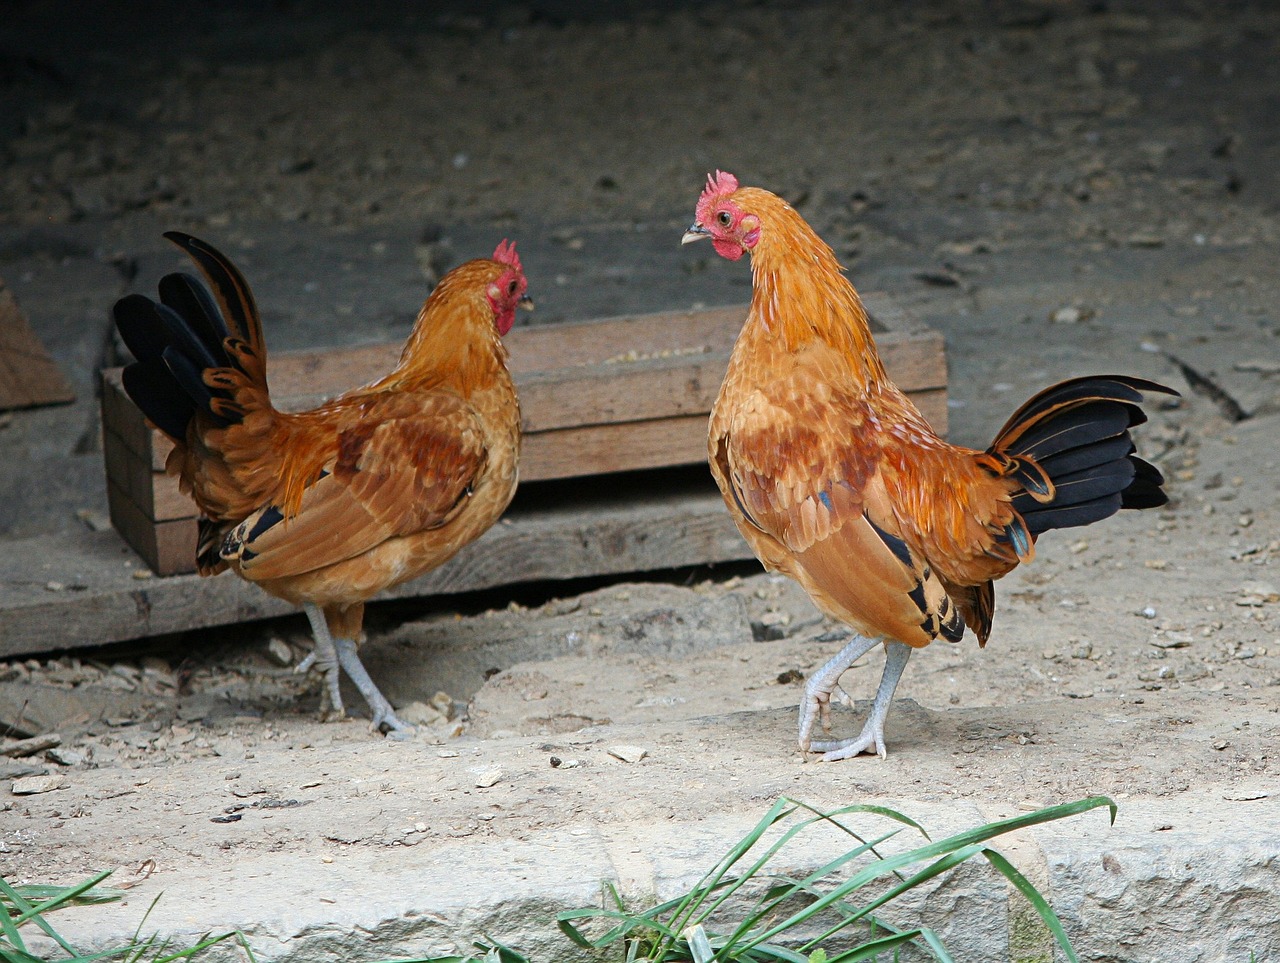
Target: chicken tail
column 1069, row 447
column 199, row 349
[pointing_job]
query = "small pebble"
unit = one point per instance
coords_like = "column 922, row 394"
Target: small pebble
column 628, row 753
column 484, row 778
column 279, row 652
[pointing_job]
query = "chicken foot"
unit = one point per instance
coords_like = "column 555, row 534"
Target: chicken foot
column 384, row 716
column 332, row 657
column 825, row 682
column 324, row 657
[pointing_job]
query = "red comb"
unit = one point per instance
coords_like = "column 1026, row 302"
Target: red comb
column 717, row 184
column 720, row 183
column 506, row 254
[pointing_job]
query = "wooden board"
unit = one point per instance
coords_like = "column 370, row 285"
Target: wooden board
column 28, row 376
column 81, row 588
column 597, row 397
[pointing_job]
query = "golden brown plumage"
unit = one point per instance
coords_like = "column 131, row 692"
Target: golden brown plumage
column 835, row 478
column 325, row 508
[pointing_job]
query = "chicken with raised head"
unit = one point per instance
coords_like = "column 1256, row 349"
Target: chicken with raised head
column 835, row 479
column 326, row 508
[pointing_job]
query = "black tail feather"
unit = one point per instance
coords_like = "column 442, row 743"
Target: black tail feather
column 189, row 298
column 159, row 396
column 179, row 339
column 238, row 310
column 1078, row 433
column 1145, row 491
column 184, row 339
column 1121, row 388
column 139, row 326
column 1073, row 515
column 189, row 376
column 1073, row 428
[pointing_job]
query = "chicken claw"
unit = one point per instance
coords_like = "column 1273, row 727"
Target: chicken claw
column 871, row 739
column 384, row 716
column 824, row 684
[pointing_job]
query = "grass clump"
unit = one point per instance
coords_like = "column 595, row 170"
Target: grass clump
column 28, row 905
column 832, row 915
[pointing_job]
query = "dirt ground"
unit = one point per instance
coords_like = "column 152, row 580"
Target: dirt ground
column 1059, row 187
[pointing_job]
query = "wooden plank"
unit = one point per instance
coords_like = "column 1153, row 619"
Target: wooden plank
column 168, row 547
column 28, row 376
column 603, row 449
column 101, row 599
column 611, row 394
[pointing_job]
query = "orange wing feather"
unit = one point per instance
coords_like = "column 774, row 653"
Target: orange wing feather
column 404, row 466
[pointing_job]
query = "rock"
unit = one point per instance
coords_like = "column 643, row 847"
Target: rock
column 1070, row 315
column 33, row 785
column 484, row 778
column 278, row 651
column 628, row 753
column 65, row 757
column 420, row 714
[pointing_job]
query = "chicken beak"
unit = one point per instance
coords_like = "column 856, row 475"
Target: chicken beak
column 526, row 303
column 696, row 232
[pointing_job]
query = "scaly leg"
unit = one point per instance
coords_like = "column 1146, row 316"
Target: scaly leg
column 872, row 736
column 384, row 717
column 325, row 657
column 826, row 682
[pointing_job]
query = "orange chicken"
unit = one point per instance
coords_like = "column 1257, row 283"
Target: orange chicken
column 835, row 479
column 325, row 508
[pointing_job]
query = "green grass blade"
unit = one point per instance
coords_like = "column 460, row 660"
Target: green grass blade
column 953, row 850
column 205, row 942
column 1025, row 887
column 627, row 923
column 685, row 912
column 818, row 816
column 775, row 896
column 60, row 895
column 29, row 912
column 970, row 837
column 39, row 892
column 871, row 950
column 937, row 868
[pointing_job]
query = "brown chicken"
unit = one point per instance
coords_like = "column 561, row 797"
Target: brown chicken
column 325, row 508
column 835, row 478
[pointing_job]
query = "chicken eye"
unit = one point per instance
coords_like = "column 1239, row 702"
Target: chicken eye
column 725, row 218
column 511, row 288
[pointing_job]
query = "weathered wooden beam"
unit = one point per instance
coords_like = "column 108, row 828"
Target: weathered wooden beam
column 80, row 589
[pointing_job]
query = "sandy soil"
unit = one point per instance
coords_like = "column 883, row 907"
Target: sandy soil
column 1059, row 189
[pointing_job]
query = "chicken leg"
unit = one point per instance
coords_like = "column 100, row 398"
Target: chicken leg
column 332, row 656
column 825, row 682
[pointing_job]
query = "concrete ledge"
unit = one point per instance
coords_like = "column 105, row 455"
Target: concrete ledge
column 368, row 850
